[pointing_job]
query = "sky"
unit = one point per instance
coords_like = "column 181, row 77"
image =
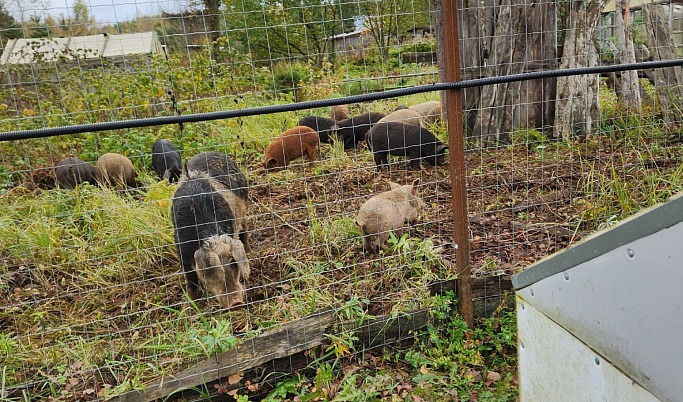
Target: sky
column 113, row 11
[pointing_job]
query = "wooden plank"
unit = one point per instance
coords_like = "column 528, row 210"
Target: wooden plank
column 283, row 341
column 378, row 330
column 298, row 336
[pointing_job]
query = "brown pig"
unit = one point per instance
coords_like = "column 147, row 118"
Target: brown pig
column 292, row 144
column 340, row 112
column 388, row 211
column 115, row 170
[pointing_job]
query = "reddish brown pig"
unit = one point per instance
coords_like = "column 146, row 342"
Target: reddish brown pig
column 292, row 144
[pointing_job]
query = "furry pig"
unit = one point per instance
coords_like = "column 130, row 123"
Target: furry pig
column 435, row 115
column 405, row 116
column 352, row 130
column 115, row 170
column 166, row 160
column 71, row 172
column 290, row 145
column 340, row 112
column 388, row 211
column 321, row 125
column 405, row 140
column 424, row 108
column 209, row 211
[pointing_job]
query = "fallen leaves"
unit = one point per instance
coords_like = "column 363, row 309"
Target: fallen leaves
column 491, row 378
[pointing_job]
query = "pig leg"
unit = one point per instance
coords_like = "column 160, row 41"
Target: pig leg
column 245, row 241
column 381, row 159
column 415, row 160
column 310, row 153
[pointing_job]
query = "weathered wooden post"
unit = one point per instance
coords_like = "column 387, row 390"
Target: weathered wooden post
column 456, row 143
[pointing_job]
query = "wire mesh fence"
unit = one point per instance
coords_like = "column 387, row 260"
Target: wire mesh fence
column 243, row 250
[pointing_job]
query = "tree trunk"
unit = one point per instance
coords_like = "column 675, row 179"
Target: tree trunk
column 525, row 41
column 438, row 35
column 668, row 81
column 472, row 54
column 628, row 88
column 577, row 108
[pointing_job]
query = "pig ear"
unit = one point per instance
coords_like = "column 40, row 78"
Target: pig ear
column 413, row 190
column 393, row 185
column 271, row 163
column 441, row 148
column 416, row 182
column 240, row 257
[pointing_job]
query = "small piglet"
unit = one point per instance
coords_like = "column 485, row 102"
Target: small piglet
column 352, row 130
column 406, row 116
column 340, row 112
column 321, row 125
column 405, row 140
column 435, row 115
column 388, row 211
column 424, row 108
column 115, row 170
column 292, row 144
column 71, row 172
column 166, row 160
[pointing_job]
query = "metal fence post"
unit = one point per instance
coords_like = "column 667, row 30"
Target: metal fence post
column 451, row 46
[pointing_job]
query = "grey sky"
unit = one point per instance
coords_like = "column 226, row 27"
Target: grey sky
column 113, row 11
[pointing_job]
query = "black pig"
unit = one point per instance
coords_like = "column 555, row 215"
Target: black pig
column 322, row 125
column 209, row 211
column 405, row 140
column 352, row 130
column 166, row 160
column 71, row 172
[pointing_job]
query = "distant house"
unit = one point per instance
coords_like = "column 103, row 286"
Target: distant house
column 420, row 32
column 89, row 49
column 354, row 42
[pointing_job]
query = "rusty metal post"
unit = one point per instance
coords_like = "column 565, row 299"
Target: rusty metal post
column 456, row 144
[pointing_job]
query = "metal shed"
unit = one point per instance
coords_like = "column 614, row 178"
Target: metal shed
column 89, row 49
column 598, row 321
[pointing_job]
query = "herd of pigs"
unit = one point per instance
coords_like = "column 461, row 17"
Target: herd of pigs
column 210, row 205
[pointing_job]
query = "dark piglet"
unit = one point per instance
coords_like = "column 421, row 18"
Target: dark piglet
column 209, row 211
column 166, row 160
column 352, row 130
column 405, row 140
column 71, row 172
column 322, row 125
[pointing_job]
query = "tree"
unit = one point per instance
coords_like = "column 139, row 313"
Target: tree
column 577, row 108
column 525, row 35
column 285, row 29
column 81, row 22
column 667, row 81
column 9, row 28
column 628, row 87
column 388, row 19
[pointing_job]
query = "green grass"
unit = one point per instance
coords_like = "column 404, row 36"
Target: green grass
column 91, row 285
column 446, row 361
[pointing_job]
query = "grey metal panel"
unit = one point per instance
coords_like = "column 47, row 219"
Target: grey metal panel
column 556, row 366
column 648, row 222
column 624, row 305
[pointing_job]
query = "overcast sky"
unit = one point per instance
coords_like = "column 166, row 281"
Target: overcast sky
column 113, row 11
